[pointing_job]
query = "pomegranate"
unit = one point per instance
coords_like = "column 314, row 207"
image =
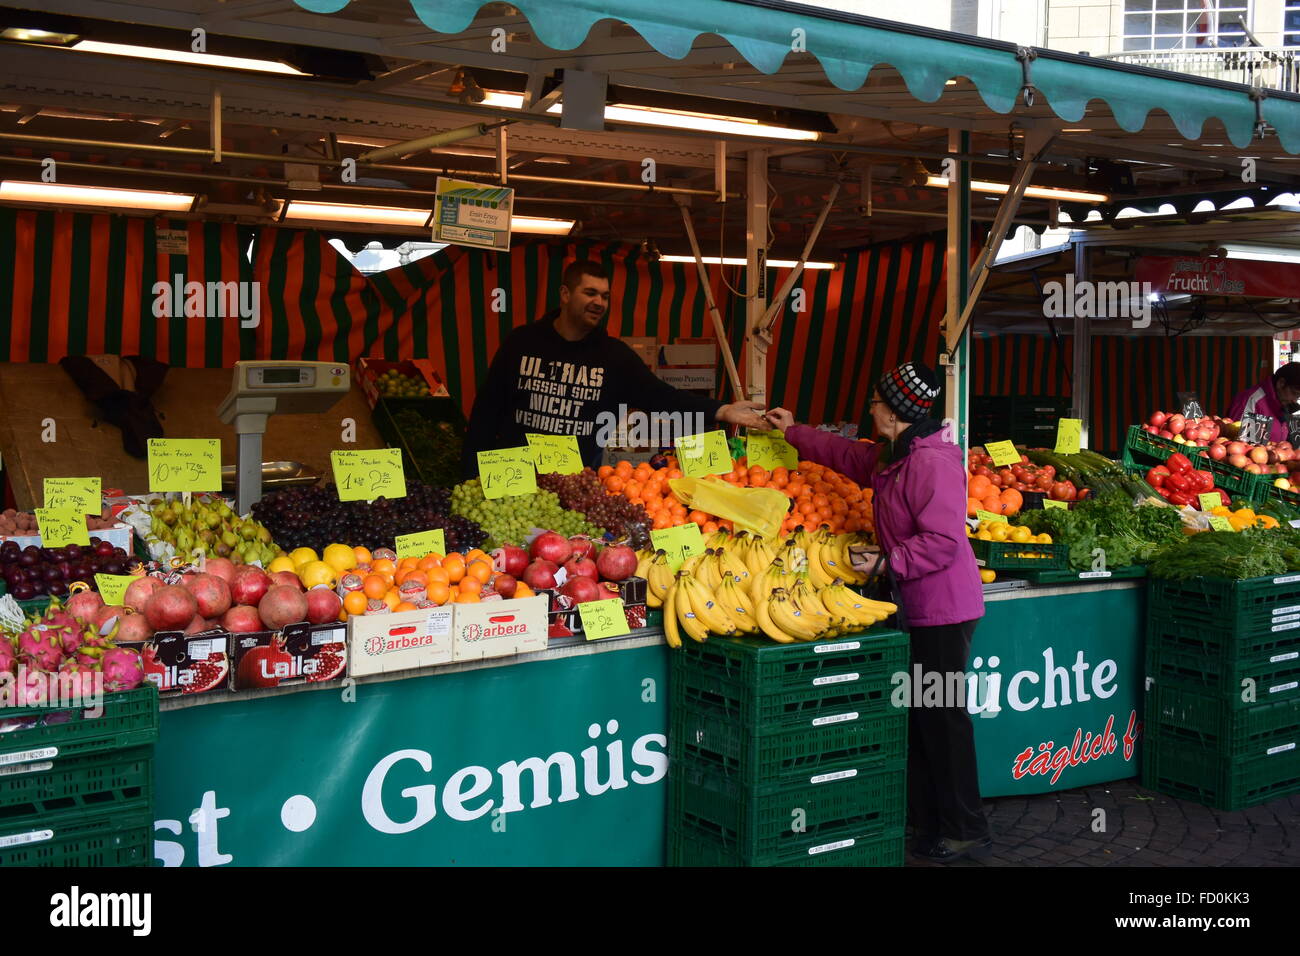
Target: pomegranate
column 582, row 568
column 1237, row 448
column 1238, row 461
column 510, row 559
column 282, row 605
column 106, row 613
column 223, row 568
column 250, row 584
column 196, row 626
column 582, row 589
column 505, row 585
column 139, row 591
column 1258, row 455
column 550, row 546
column 133, row 629
column 583, row 546
column 242, row 619
column 541, row 574
column 83, row 605
column 323, row 605
column 1218, row 451
column 211, row 592
column 286, row 579
column 170, row 608
column 616, row 563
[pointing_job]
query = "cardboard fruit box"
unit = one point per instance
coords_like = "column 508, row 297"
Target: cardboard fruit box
column 499, row 628
column 382, row 643
column 299, row 654
column 178, row 663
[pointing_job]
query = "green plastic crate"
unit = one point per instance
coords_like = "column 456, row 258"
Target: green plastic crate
column 129, row 719
column 779, row 713
column 1188, row 770
column 1003, row 555
column 688, row 846
column 31, row 791
column 750, row 667
column 122, row 837
column 1141, row 447
column 1246, row 615
column 1176, row 712
column 1126, row 573
column 1241, row 484
column 1274, row 671
column 763, row 827
column 715, row 737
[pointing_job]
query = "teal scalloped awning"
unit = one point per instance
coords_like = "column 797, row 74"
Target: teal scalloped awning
column 848, row 50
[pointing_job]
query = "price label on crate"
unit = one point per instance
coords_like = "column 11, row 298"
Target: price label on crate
column 1220, row 523
column 369, row 474
column 1209, row 500
column 112, row 587
column 555, row 453
column 61, row 526
column 74, row 494
column 1069, row 433
column 603, row 619
column 1051, row 503
column 507, row 471
column 704, row 454
column 184, row 464
column 1003, row 453
column 421, row 544
column 770, row 451
column 678, row 542
column 990, row 516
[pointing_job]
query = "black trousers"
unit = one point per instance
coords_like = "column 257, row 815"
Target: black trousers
column 943, row 795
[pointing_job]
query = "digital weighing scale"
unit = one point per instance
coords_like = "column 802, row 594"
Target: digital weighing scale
column 274, row 387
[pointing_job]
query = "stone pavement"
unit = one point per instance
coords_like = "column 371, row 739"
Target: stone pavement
column 1139, row 828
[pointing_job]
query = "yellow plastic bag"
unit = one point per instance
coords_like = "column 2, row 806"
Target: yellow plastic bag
column 757, row 510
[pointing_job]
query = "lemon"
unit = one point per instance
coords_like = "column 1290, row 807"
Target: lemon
column 301, row 556
column 984, row 535
column 1000, row 531
column 282, row 563
column 1021, row 535
column 340, row 557
column 318, row 572
column 1044, row 538
column 987, row 576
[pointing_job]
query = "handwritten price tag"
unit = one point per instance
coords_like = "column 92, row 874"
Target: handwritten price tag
column 678, row 542
column 507, row 471
column 770, row 451
column 60, row 527
column 603, row 619
column 1210, row 500
column 366, row 475
column 704, row 454
column 184, row 464
column 1220, row 523
column 74, row 494
column 555, row 453
column 112, row 587
column 1068, row 435
column 1003, row 453
column 1049, row 503
column 421, row 544
column 990, row 516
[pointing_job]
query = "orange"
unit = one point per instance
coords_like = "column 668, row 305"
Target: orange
column 384, row 566
column 757, row 472
column 439, row 593
column 605, row 471
column 978, row 486
column 406, row 563
column 403, row 606
column 614, row 484
column 806, row 507
column 392, row 599
column 363, row 555
column 1013, row 500
column 523, row 590
column 470, row 585
column 429, row 563
column 632, row 489
column 374, row 586
column 973, row 505
column 417, row 576
column 465, row 597
column 699, row 517
column 476, row 554
column 992, row 504
column 454, row 565
column 478, row 570
column 355, row 602
column 673, row 472
column 709, row 527
column 438, row 575
column 662, row 519
column 623, row 470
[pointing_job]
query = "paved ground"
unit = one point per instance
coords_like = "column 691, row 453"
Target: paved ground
column 1139, row 828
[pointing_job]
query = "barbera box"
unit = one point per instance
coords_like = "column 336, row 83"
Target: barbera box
column 178, row 663
column 300, row 654
column 381, row 643
column 498, row 628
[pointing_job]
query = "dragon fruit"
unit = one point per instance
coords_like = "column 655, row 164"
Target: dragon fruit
column 32, row 688
column 40, row 648
column 123, row 669
column 76, row 680
column 8, row 659
column 68, row 628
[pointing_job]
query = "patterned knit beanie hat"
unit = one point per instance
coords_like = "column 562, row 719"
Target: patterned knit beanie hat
column 910, row 391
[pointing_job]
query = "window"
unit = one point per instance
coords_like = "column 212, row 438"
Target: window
column 1291, row 24
column 1190, row 24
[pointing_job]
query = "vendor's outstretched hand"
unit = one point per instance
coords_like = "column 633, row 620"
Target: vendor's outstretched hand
column 780, row 418
column 747, row 414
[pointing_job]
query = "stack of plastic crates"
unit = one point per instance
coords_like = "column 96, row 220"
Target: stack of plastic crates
column 1223, row 690
column 788, row 754
column 76, row 788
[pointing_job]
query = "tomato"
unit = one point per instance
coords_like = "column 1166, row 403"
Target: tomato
column 1156, row 476
column 1178, row 483
column 1062, row 491
column 1204, row 481
column 1043, row 482
column 1024, row 459
column 1008, row 478
column 1083, row 493
column 1019, row 472
column 1178, row 463
column 1049, row 471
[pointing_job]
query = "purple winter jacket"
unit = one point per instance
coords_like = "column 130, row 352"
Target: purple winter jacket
column 919, row 504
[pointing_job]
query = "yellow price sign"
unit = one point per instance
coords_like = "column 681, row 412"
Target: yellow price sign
column 990, row 516
column 1210, row 500
column 184, row 464
column 704, row 454
column 507, row 471
column 61, row 526
column 1003, row 453
column 1050, row 503
column 74, row 494
column 1069, row 432
column 770, row 451
column 1220, row 523
column 112, row 587
column 369, row 474
column 555, row 453
column 603, row 619
column 678, row 542
column 421, row 544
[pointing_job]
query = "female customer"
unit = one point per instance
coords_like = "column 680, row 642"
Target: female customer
column 919, row 501
column 1275, row 397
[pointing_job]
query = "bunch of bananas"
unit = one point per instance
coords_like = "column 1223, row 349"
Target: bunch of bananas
column 744, row 585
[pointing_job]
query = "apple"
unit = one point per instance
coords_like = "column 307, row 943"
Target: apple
column 1157, row 419
column 1258, row 455
column 1237, row 447
column 1218, row 452
column 1176, row 423
column 1255, row 469
column 1238, row 461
